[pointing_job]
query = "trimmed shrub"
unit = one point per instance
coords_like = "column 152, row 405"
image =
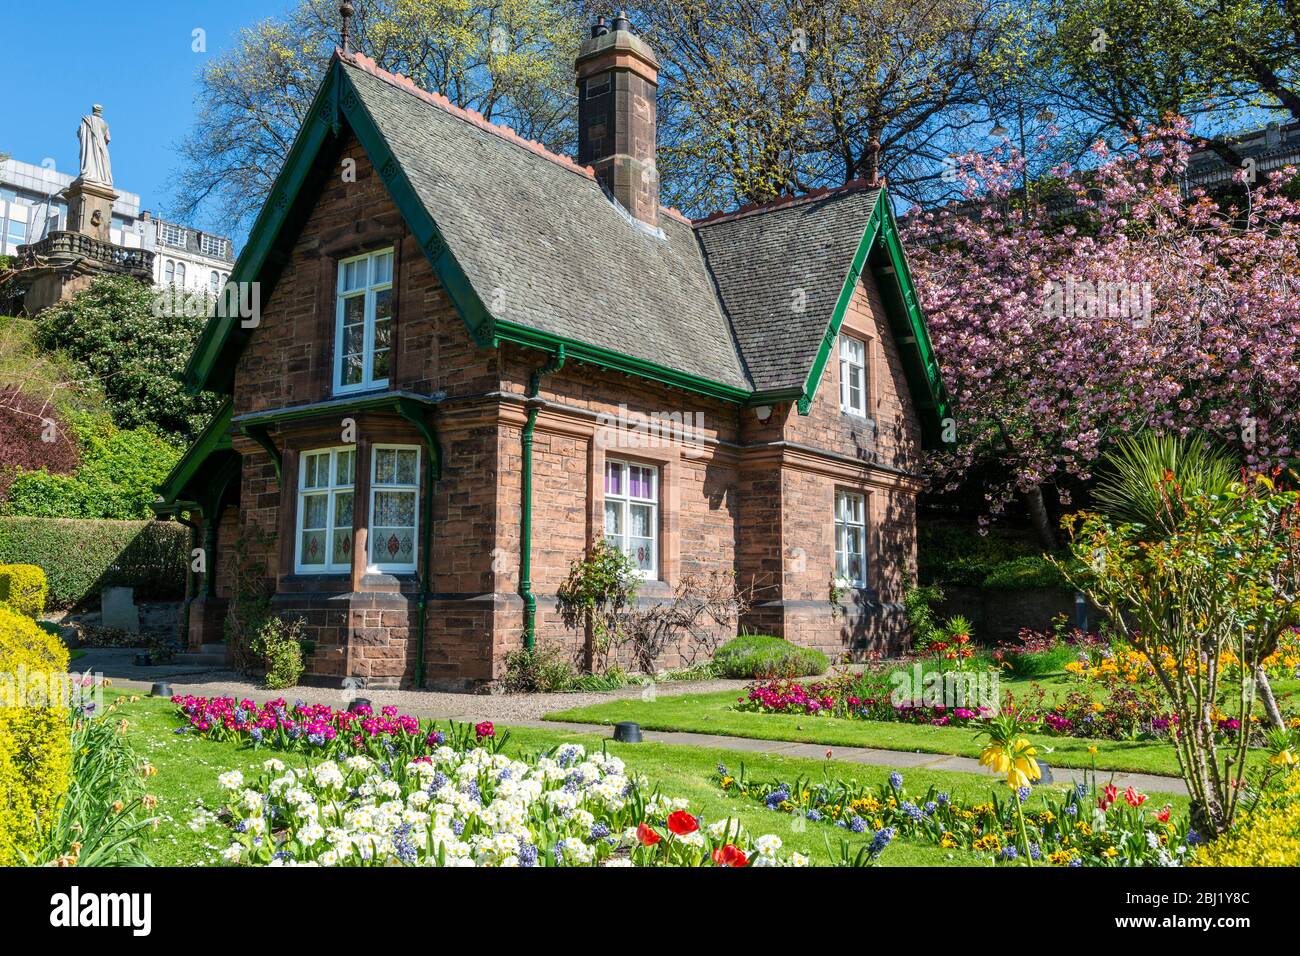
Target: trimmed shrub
column 759, row 655
column 35, row 752
column 1030, row 571
column 81, row 557
column 23, row 588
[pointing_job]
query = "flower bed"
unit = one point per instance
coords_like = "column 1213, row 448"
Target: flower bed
column 393, row 791
column 474, row 807
column 309, row 728
column 1084, row 827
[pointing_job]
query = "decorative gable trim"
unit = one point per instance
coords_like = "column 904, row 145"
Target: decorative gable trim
column 881, row 250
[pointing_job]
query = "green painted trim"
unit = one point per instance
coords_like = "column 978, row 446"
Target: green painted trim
column 345, row 403
column 214, row 437
column 336, row 99
column 477, row 319
column 842, row 304
column 251, row 265
column 260, row 435
column 928, row 393
column 526, row 506
column 506, row 331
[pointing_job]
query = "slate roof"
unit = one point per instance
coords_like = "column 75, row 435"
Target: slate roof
column 779, row 271
column 544, row 247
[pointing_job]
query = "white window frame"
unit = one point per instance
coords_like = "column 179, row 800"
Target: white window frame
column 848, row 518
column 369, row 291
column 853, row 367
column 625, row 502
column 330, row 491
column 169, row 271
column 180, row 273
column 389, row 567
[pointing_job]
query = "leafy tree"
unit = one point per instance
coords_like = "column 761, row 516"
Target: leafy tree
column 758, row 100
column 1257, row 44
column 135, row 343
column 1205, row 602
column 511, row 60
column 1140, row 306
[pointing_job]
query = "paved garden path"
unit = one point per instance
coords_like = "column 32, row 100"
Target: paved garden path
column 472, row 708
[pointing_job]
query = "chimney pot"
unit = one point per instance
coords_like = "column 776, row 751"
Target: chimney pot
column 621, row 22
column 599, row 28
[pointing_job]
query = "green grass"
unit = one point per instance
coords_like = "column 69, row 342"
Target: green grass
column 188, row 767
column 712, row 714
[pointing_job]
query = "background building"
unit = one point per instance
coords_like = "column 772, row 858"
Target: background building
column 30, row 207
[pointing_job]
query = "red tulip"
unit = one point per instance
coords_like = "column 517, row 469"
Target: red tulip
column 1163, row 814
column 1134, row 798
column 647, row 835
column 730, row 855
column 682, row 823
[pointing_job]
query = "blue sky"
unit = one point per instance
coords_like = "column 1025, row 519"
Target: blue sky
column 133, row 56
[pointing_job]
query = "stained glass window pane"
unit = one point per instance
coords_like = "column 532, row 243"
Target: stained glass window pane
column 392, row 545
column 642, row 552
column 313, row 548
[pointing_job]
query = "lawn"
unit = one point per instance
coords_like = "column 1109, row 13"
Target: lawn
column 188, row 766
column 713, row 714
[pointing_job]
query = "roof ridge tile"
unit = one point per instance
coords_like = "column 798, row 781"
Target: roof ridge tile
column 821, row 192
column 473, row 117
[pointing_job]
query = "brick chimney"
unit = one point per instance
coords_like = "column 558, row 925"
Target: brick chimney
column 618, row 77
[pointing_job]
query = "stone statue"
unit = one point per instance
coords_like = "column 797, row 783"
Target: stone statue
column 93, row 134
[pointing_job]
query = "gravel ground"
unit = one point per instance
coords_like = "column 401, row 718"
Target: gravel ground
column 120, row 667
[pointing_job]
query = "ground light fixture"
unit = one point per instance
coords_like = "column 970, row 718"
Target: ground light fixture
column 161, row 689
column 627, row 732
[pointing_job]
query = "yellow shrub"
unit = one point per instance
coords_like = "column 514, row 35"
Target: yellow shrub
column 23, row 588
column 1268, row 837
column 34, row 740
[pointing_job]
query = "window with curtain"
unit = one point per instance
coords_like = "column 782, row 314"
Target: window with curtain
column 850, row 539
column 363, row 322
column 394, row 507
column 326, row 478
column 853, row 375
column 632, row 512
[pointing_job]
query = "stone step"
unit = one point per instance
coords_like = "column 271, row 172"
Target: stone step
column 209, row 655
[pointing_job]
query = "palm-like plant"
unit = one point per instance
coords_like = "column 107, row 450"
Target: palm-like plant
column 1146, row 476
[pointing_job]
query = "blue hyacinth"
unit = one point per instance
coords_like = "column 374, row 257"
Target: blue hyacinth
column 896, row 780
column 527, row 853
column 857, row 825
column 880, row 841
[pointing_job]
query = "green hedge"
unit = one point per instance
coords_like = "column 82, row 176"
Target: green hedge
column 1031, row 571
column 80, row 557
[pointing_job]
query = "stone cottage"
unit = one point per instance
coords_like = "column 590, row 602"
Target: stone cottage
column 453, row 360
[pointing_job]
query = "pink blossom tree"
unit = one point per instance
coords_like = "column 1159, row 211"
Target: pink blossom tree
column 1125, row 302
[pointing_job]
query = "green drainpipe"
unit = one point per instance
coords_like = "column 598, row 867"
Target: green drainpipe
column 526, row 512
